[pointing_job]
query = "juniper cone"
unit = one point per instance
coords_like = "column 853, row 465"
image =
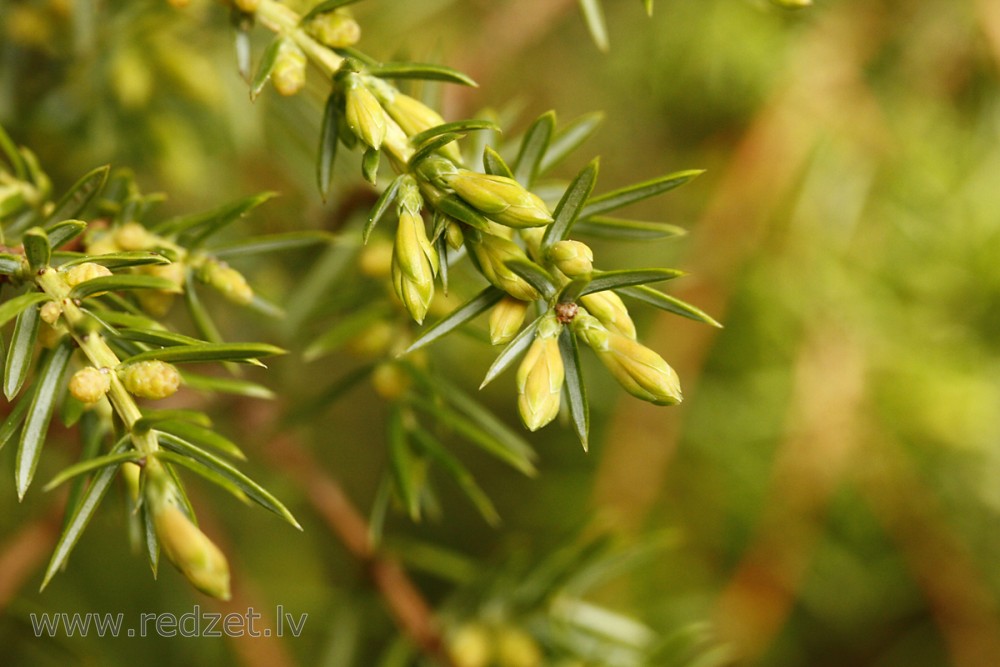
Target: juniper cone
column 413, row 117
column 610, row 310
column 189, row 549
column 492, row 253
column 289, row 74
column 540, row 377
column 335, row 29
column 364, row 114
column 150, row 379
column 506, row 319
column 89, row 384
column 573, row 258
column 640, row 371
column 499, row 198
column 227, row 280
column 414, row 259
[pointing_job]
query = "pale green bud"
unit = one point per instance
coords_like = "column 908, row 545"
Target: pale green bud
column 610, row 310
column 50, row 312
column 492, row 252
column 414, row 117
column 81, row 273
column 89, row 384
column 471, row 646
column 190, row 550
column 540, row 377
column 133, row 236
column 248, row 6
column 364, row 114
column 289, row 74
column 227, row 280
column 11, row 198
column 414, row 265
column 453, row 235
column 499, row 198
column 640, row 371
column 573, row 258
column 516, row 648
column 335, row 29
column 506, row 319
column 150, row 379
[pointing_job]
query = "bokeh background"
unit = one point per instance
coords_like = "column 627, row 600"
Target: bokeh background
column 830, row 489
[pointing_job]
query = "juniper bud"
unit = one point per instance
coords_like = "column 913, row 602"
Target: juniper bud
column 499, row 198
column 573, row 258
column 506, row 319
column 335, row 29
column 516, row 648
column 453, row 235
column 414, row 117
column 89, row 384
column 289, row 74
column 189, row 549
column 226, row 280
column 150, row 379
column 540, row 377
column 471, row 646
column 640, row 371
column 133, row 236
column 610, row 310
column 414, row 259
column 248, row 6
column 50, row 313
column 81, row 273
column 492, row 253
column 364, row 114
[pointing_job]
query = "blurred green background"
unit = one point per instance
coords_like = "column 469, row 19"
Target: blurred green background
column 832, row 481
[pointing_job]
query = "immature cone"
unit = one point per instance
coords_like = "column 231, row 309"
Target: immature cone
column 499, row 198
column 414, row 259
column 471, row 646
column 150, row 379
column 226, row 280
column 89, row 384
column 516, row 648
column 506, row 319
column 573, row 258
column 640, row 371
column 492, row 253
column 289, row 74
column 158, row 302
column 81, row 273
column 540, row 377
column 610, row 311
column 414, row 117
column 335, row 29
column 133, row 236
column 364, row 114
column 187, row 547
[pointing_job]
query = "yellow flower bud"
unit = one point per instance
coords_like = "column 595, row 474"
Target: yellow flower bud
column 335, row 29
column 414, row 117
column 499, row 198
column 289, row 74
column 610, row 311
column 516, row 648
column 226, row 280
column 573, row 258
column 133, row 236
column 453, row 235
column 414, row 265
column 248, row 6
column 506, row 319
column 131, row 473
column 375, row 259
column 102, row 245
column 364, row 114
column 491, row 252
column 540, row 377
column 81, row 273
column 89, row 384
column 390, row 381
column 50, row 312
column 640, row 371
column 151, row 379
column 471, row 646
column 190, row 550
